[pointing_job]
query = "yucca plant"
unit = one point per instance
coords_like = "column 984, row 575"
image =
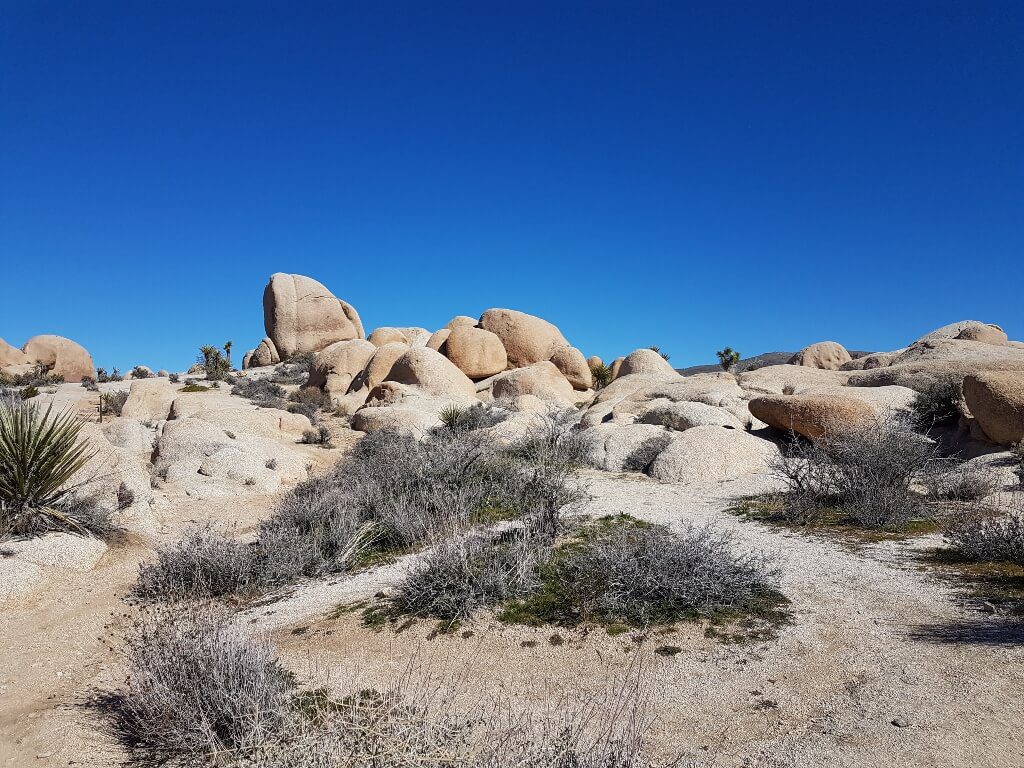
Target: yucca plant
column 40, row 454
column 451, row 415
column 728, row 358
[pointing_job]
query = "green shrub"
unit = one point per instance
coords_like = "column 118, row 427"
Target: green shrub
column 214, row 363
column 320, row 436
column 141, row 372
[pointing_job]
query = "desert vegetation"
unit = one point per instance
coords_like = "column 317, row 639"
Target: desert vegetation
column 41, row 454
column 197, row 688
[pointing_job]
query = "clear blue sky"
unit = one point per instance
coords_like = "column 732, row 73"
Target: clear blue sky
column 691, row 175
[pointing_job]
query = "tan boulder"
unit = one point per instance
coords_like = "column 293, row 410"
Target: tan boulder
column 149, row 400
column 645, row 361
column 827, row 355
column 11, row 355
column 704, row 455
column 301, row 315
column 953, row 330
column 925, row 362
column 476, row 352
column 869, row 362
column 386, row 334
column 594, row 361
column 996, row 400
column 264, row 354
column 573, row 365
column 616, row 367
column 790, row 379
column 438, row 338
column 811, row 415
column 61, row 356
column 379, row 367
column 335, row 367
column 527, row 339
column 541, row 379
column 431, row 372
column 680, row 416
column 985, row 334
column 460, row 321
column 410, row 421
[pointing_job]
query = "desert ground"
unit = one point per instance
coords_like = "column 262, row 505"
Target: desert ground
column 883, row 653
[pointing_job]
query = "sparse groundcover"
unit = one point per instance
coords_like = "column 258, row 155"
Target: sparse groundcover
column 614, row 572
column 263, row 392
column 392, row 494
column 295, row 370
column 197, row 689
column 310, row 402
column 623, row 571
column 112, row 403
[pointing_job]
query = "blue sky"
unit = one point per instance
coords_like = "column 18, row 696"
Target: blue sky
column 691, row 175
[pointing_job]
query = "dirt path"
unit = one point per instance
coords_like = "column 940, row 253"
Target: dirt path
column 874, row 640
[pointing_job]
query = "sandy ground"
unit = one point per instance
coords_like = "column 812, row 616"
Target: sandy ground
column 874, row 639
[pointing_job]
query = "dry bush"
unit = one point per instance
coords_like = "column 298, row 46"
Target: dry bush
column 462, row 574
column 198, row 691
column 204, row 563
column 953, row 481
column 643, row 456
column 195, row 687
column 867, row 471
column 113, row 402
column 937, row 404
column 623, row 570
column 263, row 392
column 320, row 436
column 990, row 534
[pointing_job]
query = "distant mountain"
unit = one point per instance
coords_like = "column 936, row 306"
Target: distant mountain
column 758, row 361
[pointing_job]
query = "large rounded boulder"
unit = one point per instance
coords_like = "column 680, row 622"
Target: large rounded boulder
column 62, row 357
column 704, row 455
column 996, row 400
column 541, row 379
column 574, row 367
column 811, row 415
column 11, row 355
column 301, row 315
column 527, row 339
column 476, row 352
column 827, row 355
column 335, row 367
column 646, row 361
column 432, row 373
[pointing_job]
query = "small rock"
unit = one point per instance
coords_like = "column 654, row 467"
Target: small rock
column 899, row 722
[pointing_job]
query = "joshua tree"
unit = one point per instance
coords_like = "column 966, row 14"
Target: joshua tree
column 227, row 352
column 213, row 362
column 656, row 348
column 728, row 358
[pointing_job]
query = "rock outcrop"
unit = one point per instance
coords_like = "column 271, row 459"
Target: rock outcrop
column 811, row 415
column 996, row 400
column 301, row 315
column 645, row 361
column 62, row 357
column 827, row 355
column 337, row 366
column 476, row 352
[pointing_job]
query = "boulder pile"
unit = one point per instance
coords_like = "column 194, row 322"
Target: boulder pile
column 58, row 355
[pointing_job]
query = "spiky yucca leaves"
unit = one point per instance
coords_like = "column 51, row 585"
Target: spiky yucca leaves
column 450, row 415
column 39, row 456
column 728, row 358
column 601, row 374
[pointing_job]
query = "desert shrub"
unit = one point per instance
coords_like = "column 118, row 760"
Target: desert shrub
column 641, row 457
column 309, row 402
column 461, row 574
column 263, row 392
column 320, row 436
column 204, row 563
column 103, row 377
column 191, row 387
column 174, row 378
column 470, row 418
column 214, row 363
column 141, row 372
column 40, row 456
column 125, row 496
column 113, row 402
column 195, row 686
column 90, row 384
column 601, row 374
column 38, row 377
column 625, row 571
column 1018, row 456
column 937, row 404
column 989, row 537
column 656, row 348
column 295, row 370
column 950, row 480
column 198, row 691
column 866, row 471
